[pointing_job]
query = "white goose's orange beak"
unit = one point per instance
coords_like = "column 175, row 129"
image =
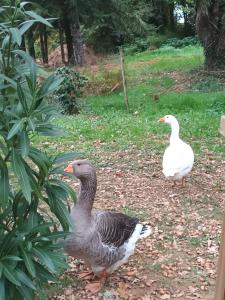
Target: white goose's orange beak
column 69, row 169
column 162, row 120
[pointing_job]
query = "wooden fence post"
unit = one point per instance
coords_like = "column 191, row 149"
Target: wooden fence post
column 124, row 79
column 220, row 280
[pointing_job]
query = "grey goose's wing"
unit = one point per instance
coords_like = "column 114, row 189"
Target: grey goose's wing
column 114, row 228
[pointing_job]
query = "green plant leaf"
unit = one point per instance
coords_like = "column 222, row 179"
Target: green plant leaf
column 65, row 187
column 49, row 85
column 4, row 183
column 33, row 219
column 16, row 35
column 28, row 59
column 28, row 263
column 58, row 207
column 44, row 258
column 49, row 130
column 11, row 257
column 40, row 159
column 24, row 143
column 26, row 293
column 22, row 97
column 10, row 80
column 1, row 270
column 31, row 124
column 33, row 75
column 2, row 289
column 17, row 127
column 24, row 279
column 38, row 18
column 10, row 275
column 25, row 26
column 20, row 171
column 66, row 156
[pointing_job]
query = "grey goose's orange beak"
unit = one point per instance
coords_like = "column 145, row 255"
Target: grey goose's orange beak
column 69, row 169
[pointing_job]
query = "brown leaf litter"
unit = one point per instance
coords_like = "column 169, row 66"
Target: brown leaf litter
column 179, row 260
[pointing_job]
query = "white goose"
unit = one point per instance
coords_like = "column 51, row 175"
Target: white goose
column 178, row 157
column 103, row 239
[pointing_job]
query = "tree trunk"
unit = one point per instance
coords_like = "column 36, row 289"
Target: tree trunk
column 78, row 46
column 61, row 40
column 30, row 42
column 43, row 43
column 210, row 27
column 69, row 43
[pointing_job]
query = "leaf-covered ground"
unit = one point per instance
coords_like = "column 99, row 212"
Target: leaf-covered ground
column 179, row 260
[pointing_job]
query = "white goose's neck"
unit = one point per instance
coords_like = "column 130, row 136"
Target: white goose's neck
column 175, row 128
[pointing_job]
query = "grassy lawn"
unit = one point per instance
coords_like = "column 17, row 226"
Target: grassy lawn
column 105, row 120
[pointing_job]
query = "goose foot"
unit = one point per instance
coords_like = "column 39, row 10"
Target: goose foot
column 86, row 275
column 96, row 286
column 183, row 183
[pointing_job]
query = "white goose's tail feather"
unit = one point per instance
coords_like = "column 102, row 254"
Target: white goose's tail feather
column 146, row 231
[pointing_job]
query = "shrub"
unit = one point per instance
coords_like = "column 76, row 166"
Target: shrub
column 70, row 90
column 110, row 80
column 153, row 41
column 179, row 43
column 32, row 199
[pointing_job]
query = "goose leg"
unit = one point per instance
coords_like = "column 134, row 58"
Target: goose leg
column 96, row 286
column 86, row 275
column 174, row 183
column 183, row 184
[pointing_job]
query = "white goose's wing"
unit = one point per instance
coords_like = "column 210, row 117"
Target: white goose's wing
column 178, row 159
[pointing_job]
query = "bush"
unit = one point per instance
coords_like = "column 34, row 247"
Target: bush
column 32, row 199
column 179, row 43
column 70, row 90
column 152, row 42
column 110, row 80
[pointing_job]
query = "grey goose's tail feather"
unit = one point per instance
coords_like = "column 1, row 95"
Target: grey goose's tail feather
column 146, row 231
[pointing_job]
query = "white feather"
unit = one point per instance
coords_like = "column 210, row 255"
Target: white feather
column 130, row 245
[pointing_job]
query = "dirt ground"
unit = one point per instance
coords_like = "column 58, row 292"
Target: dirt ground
column 179, row 260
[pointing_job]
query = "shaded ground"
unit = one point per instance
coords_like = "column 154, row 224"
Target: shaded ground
column 179, row 260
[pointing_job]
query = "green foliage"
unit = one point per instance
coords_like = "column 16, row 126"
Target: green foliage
column 218, row 105
column 70, row 90
column 207, row 84
column 141, row 44
column 180, row 43
column 32, row 199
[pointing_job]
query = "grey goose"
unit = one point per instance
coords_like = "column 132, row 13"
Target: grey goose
column 103, row 239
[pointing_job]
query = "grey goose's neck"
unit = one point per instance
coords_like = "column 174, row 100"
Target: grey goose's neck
column 88, row 189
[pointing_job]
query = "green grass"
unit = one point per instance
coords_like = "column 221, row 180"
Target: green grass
column 105, row 119
column 167, row 59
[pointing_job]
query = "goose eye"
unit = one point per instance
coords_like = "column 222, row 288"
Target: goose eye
column 78, row 164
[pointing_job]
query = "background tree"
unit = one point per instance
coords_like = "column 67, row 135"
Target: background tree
column 210, row 26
